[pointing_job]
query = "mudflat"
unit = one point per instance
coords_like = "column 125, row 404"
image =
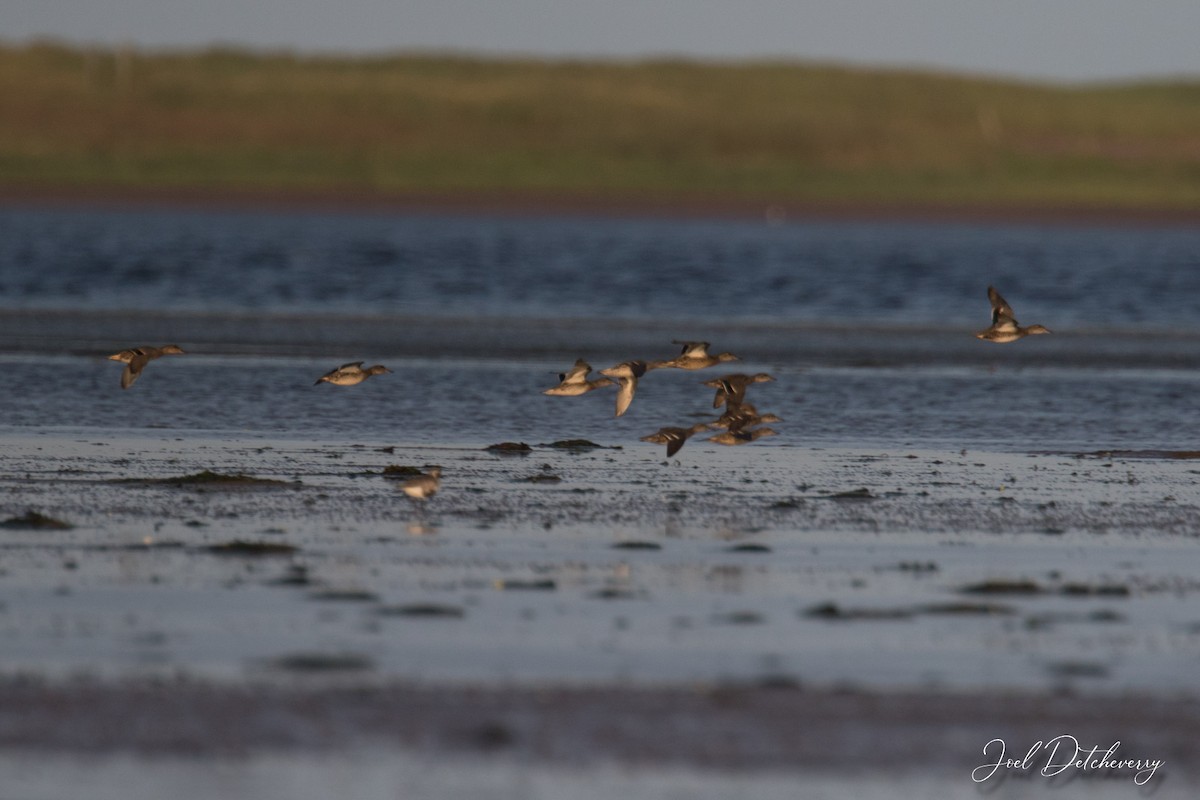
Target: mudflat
column 757, row 611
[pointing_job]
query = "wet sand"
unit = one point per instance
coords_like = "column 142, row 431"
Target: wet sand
column 774, row 616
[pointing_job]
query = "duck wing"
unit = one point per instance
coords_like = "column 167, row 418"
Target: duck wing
column 577, row 373
column 125, row 356
column 133, row 369
column 1001, row 310
column 676, row 439
column 625, row 394
column 692, row 349
column 732, row 391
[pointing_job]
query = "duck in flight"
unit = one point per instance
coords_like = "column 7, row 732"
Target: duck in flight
column 135, row 360
column 674, row 438
column 350, row 374
column 627, row 374
column 574, row 381
column 732, row 388
column 1004, row 327
column 694, row 355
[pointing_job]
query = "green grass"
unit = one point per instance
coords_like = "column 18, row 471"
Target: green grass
column 226, row 119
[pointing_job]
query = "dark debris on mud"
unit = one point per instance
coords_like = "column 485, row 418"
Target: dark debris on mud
column 208, row 478
column 239, row 547
column 33, row 521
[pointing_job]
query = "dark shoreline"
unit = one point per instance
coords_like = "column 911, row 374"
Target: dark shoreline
column 518, row 204
column 739, row 727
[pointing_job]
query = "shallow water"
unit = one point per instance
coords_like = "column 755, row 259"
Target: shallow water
column 889, row 273
column 865, row 325
column 478, row 401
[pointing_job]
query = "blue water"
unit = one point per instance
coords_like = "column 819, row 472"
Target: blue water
column 866, row 325
column 889, row 273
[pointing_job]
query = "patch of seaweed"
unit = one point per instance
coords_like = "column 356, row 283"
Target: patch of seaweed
column 423, row 611
column 240, row 547
column 1003, row 587
column 206, row 478
column 965, row 609
column 401, row 471
column 514, row 584
column 509, row 448
column 739, row 618
column 853, row 494
column 748, row 547
column 33, row 521
column 575, row 445
column 616, row 593
column 344, row 596
column 296, row 575
column 835, row 613
column 1148, row 454
column 323, row 662
column 1087, row 590
column 543, row 477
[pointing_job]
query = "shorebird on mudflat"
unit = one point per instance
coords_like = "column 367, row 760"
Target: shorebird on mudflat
column 674, row 438
column 1004, row 327
column 627, row 374
column 694, row 355
column 350, row 374
column 574, row 381
column 135, row 360
column 423, row 486
column 732, row 388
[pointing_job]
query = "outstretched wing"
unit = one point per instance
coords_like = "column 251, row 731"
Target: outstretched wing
column 675, row 441
column 577, row 373
column 625, row 394
column 133, row 369
column 1001, row 310
column 692, row 349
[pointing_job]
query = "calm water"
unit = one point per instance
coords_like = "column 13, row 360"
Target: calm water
column 865, row 325
column 922, row 274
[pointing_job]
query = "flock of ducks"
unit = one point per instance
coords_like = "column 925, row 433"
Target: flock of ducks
column 741, row 420
column 739, row 423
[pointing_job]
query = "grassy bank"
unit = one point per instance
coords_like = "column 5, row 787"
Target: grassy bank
column 221, row 119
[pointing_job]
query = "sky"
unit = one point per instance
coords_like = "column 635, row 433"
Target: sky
column 1043, row 40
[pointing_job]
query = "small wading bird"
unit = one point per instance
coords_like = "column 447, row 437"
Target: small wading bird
column 135, row 360
column 694, row 355
column 350, row 374
column 674, row 438
column 574, row 381
column 423, row 486
column 627, row 374
column 1004, row 326
column 732, row 388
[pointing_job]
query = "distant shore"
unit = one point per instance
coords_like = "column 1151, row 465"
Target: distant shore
column 770, row 209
